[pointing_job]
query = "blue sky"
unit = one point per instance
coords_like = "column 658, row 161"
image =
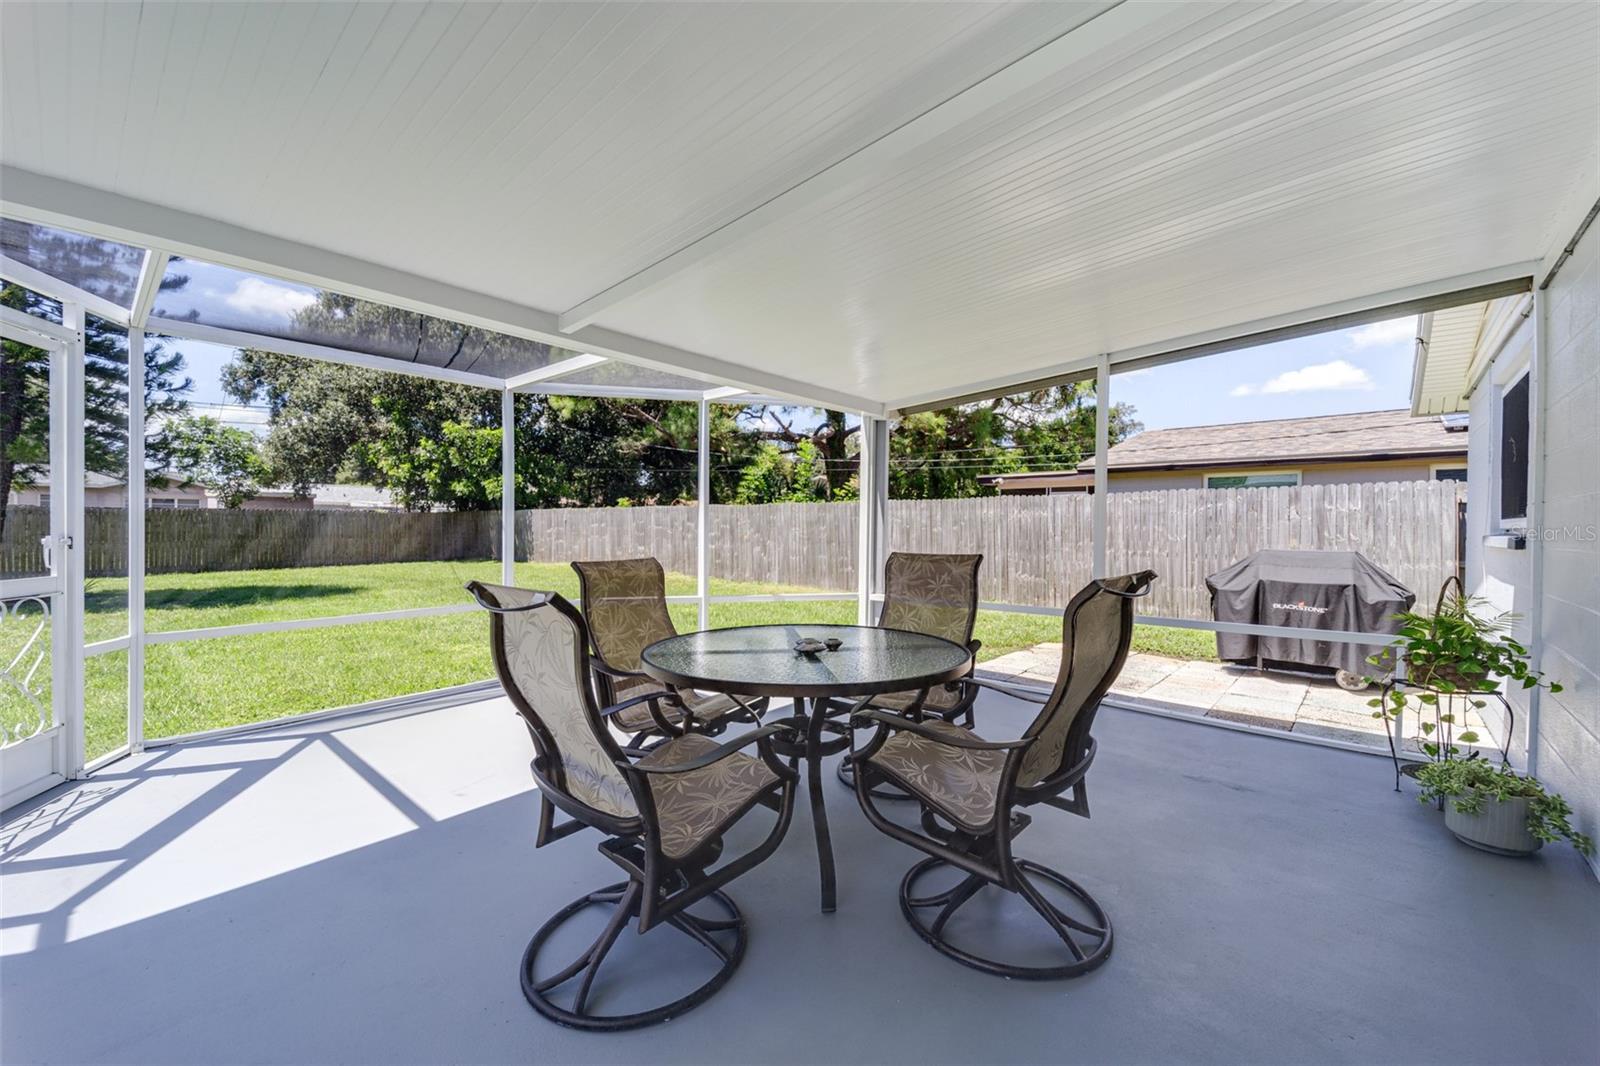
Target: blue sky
column 1363, row 369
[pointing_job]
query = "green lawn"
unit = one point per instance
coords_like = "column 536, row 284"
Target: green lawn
column 205, row 684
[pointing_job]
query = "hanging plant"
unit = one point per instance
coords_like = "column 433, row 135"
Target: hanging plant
column 1452, row 656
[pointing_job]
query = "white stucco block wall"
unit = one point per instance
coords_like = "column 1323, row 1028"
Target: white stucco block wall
column 1500, row 576
column 1569, row 725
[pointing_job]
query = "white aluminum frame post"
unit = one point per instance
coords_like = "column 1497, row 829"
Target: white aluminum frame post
column 872, row 533
column 1102, row 480
column 508, row 487
column 68, row 646
column 702, row 517
column 136, row 545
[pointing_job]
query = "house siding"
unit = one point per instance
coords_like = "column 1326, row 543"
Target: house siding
column 1310, row 474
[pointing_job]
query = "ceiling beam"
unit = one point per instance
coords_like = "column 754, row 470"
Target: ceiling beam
column 151, row 273
column 1345, row 314
column 234, row 338
column 555, row 370
column 67, row 205
column 961, row 111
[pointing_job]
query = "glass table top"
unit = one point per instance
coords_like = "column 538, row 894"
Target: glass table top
column 761, row 661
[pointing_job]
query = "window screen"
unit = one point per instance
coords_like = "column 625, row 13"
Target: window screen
column 1514, row 451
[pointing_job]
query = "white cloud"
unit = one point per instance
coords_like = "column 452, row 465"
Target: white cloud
column 254, row 296
column 1320, row 377
column 1378, row 334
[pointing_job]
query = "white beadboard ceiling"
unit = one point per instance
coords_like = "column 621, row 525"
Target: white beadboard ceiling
column 1053, row 181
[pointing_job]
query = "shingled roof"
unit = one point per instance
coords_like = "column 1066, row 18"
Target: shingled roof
column 1370, row 435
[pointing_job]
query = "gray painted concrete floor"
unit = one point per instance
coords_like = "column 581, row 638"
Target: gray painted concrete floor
column 361, row 891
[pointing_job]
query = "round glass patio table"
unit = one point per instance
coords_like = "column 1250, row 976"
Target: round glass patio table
column 761, row 661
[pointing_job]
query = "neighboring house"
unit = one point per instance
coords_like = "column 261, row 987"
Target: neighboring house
column 1331, row 449
column 102, row 490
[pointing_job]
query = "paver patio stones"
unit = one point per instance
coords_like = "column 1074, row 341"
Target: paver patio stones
column 1311, row 706
column 1272, row 712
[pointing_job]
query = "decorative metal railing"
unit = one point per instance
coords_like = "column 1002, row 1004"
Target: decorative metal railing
column 24, row 668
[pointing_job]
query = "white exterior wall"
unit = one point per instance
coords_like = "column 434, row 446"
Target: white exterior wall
column 1502, row 576
column 1568, row 745
column 1569, row 723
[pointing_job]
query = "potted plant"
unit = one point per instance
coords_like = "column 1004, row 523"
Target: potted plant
column 1453, row 656
column 1497, row 809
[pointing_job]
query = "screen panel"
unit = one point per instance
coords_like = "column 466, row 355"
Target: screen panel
column 104, row 268
column 220, row 296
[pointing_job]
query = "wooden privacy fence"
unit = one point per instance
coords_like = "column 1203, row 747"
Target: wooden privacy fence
column 201, row 540
column 1408, row 528
column 1037, row 549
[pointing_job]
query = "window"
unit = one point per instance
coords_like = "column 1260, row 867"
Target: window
column 188, row 504
column 44, row 499
column 163, row 503
column 1253, row 481
column 1514, row 451
column 1450, row 473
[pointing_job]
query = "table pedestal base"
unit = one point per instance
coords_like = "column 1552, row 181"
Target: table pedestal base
column 813, row 748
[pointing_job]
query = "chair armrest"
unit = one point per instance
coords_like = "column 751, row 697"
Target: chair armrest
column 634, row 701
column 720, row 752
column 600, row 666
column 1025, row 695
column 894, row 721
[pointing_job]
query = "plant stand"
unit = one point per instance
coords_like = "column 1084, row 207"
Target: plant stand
column 1394, row 728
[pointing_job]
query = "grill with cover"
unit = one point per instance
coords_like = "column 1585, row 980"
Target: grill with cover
column 1305, row 590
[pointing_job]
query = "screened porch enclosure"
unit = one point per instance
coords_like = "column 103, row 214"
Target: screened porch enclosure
column 154, row 653
column 264, row 792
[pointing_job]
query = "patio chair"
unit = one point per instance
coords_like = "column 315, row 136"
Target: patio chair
column 971, row 788
column 663, row 812
column 937, row 595
column 625, row 607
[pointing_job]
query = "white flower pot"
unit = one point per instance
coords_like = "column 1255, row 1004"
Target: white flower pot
column 1501, row 827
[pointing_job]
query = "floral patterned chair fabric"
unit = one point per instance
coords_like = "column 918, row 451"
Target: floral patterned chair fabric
column 937, row 595
column 664, row 813
column 970, row 787
column 625, row 607
column 932, row 594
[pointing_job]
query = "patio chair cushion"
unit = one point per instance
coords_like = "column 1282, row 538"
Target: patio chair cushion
column 692, row 808
column 959, row 783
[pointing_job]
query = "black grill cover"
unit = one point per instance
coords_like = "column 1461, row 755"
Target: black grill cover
column 1305, row 590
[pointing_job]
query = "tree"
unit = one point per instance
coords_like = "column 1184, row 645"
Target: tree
column 221, row 458
column 430, row 442
column 25, row 389
column 941, row 454
column 330, row 422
